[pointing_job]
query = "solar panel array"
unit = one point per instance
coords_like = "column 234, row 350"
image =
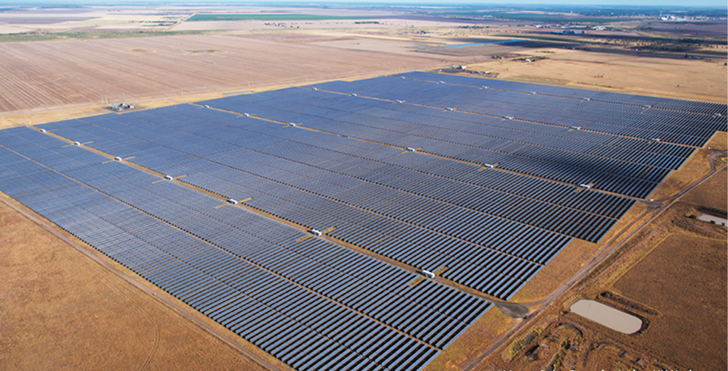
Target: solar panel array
column 321, row 189
column 616, row 164
column 485, row 194
column 706, row 108
column 311, row 303
column 685, row 127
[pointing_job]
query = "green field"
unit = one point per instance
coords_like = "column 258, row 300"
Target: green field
column 25, row 37
column 266, row 17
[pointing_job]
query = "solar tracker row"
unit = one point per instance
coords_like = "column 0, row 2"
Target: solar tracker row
column 492, row 202
column 705, row 108
column 247, row 272
column 494, row 255
column 694, row 130
column 436, row 206
column 458, row 126
column 391, row 162
column 441, row 135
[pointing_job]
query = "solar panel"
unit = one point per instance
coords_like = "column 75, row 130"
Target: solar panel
column 213, row 258
column 484, row 187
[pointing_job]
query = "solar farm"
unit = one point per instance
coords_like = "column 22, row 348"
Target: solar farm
column 301, row 218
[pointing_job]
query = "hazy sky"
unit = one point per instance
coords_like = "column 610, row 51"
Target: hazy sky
column 677, row 3
column 681, row 3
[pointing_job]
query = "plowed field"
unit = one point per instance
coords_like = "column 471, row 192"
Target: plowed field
column 46, row 74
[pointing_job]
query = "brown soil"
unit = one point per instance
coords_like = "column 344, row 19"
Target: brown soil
column 46, row 74
column 719, row 141
column 62, row 310
column 687, row 29
column 692, row 169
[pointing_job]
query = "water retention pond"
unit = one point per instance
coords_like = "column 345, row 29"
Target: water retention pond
column 607, row 316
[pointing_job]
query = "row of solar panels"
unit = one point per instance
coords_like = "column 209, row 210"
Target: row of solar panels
column 383, row 181
column 448, row 130
column 288, row 190
column 254, row 275
column 490, row 133
column 467, row 173
column 579, row 139
column 302, row 104
column 283, row 143
column 398, row 205
column 619, row 99
column 627, row 178
column 538, row 108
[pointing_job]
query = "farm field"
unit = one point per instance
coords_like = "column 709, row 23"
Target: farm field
column 264, row 17
column 691, row 287
column 40, row 75
column 711, row 202
column 346, row 24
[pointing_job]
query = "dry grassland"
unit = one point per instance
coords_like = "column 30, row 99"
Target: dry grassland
column 347, row 24
column 672, row 276
column 691, row 170
column 685, row 290
column 719, row 141
column 472, row 342
column 573, row 257
column 714, row 196
column 620, row 73
column 61, row 310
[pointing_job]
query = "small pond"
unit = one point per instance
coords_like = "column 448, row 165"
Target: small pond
column 607, row 316
column 711, row 218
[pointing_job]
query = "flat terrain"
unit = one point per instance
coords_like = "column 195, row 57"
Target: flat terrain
column 45, row 74
column 671, row 275
column 56, row 302
column 690, row 309
column 61, row 310
column 714, row 201
column 618, row 71
column 338, row 24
